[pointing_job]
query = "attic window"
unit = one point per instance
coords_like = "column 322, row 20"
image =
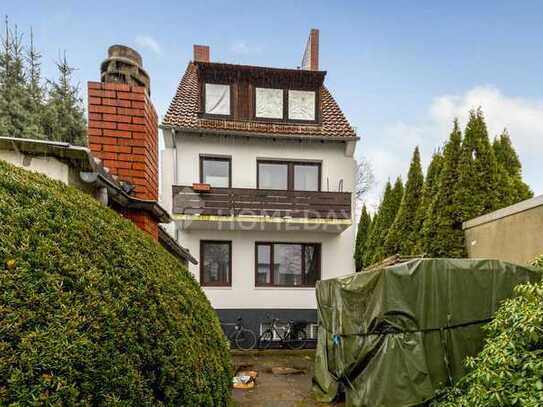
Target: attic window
column 301, row 105
column 217, row 99
column 269, row 103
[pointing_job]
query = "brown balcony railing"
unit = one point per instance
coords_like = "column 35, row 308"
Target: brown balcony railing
column 262, row 202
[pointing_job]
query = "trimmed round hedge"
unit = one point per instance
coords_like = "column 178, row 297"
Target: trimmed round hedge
column 93, row 311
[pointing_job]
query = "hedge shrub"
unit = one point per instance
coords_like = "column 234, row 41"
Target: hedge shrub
column 93, row 311
column 509, row 369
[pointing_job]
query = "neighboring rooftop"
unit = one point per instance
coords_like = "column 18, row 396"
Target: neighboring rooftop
column 187, row 113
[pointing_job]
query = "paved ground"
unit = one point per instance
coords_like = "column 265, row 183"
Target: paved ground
column 276, row 390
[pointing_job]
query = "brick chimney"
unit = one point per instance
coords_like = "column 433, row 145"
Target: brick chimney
column 123, row 129
column 200, row 53
column 310, row 61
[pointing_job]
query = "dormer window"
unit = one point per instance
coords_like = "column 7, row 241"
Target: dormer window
column 217, row 99
column 269, row 103
column 302, row 105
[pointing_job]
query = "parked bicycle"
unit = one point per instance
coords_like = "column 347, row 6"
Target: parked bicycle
column 241, row 337
column 294, row 336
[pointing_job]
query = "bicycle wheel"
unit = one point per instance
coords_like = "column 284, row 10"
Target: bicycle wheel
column 265, row 340
column 245, row 339
column 296, row 340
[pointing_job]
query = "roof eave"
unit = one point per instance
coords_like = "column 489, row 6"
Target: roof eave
column 316, row 137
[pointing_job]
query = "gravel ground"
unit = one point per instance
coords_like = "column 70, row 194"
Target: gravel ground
column 277, row 390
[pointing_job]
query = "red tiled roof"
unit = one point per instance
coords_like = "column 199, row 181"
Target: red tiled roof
column 184, row 113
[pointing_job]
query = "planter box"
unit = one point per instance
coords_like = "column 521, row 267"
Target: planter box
column 197, row 187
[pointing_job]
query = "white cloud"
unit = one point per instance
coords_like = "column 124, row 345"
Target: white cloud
column 242, row 47
column 146, row 41
column 390, row 151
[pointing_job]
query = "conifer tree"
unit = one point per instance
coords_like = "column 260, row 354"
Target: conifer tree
column 35, row 91
column 14, row 99
column 64, row 116
column 372, row 240
column 400, row 238
column 477, row 191
column 388, row 212
column 364, row 225
column 442, row 234
column 429, row 191
column 513, row 189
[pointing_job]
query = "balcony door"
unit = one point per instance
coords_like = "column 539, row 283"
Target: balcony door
column 288, row 175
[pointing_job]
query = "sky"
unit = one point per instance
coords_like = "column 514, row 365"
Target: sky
column 400, row 70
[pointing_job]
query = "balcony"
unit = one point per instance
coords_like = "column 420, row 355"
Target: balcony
column 261, row 209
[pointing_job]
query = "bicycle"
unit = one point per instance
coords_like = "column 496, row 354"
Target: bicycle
column 294, row 337
column 242, row 338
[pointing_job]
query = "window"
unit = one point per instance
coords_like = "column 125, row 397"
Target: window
column 216, row 263
column 216, row 171
column 287, row 264
column 217, row 99
column 301, row 105
column 292, row 176
column 272, row 175
column 269, row 103
column 306, row 177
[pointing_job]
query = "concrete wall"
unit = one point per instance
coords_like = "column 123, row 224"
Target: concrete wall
column 513, row 234
column 180, row 165
column 49, row 166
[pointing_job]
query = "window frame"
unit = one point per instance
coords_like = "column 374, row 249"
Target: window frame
column 290, row 173
column 318, row 247
column 203, row 101
column 211, row 157
column 202, row 263
column 317, row 104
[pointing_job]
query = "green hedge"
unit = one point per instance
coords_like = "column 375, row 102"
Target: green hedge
column 93, row 311
column 509, row 369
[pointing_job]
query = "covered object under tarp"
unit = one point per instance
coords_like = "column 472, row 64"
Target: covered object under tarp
column 394, row 335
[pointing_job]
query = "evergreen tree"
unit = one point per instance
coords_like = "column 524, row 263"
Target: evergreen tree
column 478, row 179
column 513, row 189
column 14, row 99
column 364, row 225
column 372, row 240
column 388, row 211
column 429, row 191
column 442, row 234
column 35, row 91
column 64, row 115
column 400, row 238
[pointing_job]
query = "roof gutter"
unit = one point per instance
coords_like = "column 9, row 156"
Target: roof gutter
column 260, row 135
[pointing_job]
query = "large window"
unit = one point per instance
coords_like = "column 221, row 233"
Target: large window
column 217, row 99
column 216, row 171
column 301, row 105
column 216, row 263
column 287, row 264
column 293, row 176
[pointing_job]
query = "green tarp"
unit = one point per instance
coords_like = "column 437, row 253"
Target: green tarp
column 393, row 336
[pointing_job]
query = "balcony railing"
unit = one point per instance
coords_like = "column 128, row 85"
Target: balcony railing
column 261, row 202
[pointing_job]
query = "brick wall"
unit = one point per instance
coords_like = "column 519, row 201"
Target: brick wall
column 123, row 133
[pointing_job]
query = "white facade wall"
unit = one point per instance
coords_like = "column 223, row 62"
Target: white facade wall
column 336, row 249
column 49, row 166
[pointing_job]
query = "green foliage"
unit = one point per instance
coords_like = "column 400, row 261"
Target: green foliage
column 375, row 250
column 429, row 191
column 512, row 188
column 442, row 234
column 478, row 181
column 509, row 369
column 402, row 234
column 93, row 311
column 64, row 119
column 28, row 108
column 362, row 233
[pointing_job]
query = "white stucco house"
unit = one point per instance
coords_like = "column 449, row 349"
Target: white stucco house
column 258, row 174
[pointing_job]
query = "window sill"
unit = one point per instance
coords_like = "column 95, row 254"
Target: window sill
column 216, row 287
column 284, row 288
